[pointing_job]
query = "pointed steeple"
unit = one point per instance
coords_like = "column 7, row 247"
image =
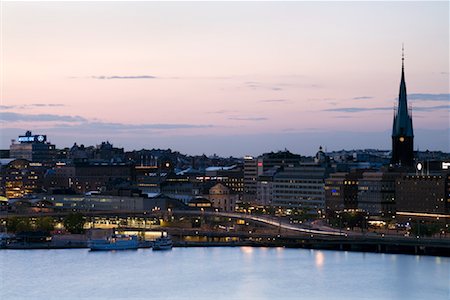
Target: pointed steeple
column 402, row 118
column 402, row 128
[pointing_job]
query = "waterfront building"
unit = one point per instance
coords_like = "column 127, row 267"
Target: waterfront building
column 402, row 130
column 100, row 202
column 34, row 148
column 420, row 196
column 376, row 192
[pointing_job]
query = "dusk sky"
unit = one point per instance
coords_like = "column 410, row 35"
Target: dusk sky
column 231, row 78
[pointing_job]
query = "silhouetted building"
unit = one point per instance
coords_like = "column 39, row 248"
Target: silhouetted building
column 376, row 192
column 402, row 130
column 250, row 177
column 423, row 196
column 341, row 191
column 34, row 148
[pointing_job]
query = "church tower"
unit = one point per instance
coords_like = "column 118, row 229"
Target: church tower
column 402, row 130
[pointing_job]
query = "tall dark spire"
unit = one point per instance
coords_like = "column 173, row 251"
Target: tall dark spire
column 402, row 129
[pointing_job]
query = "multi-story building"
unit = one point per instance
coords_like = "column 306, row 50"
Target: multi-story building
column 232, row 177
column 423, row 196
column 264, row 187
column 376, row 192
column 85, row 177
column 183, row 187
column 250, row 177
column 255, row 167
column 300, row 187
column 21, row 177
column 341, row 191
column 149, row 178
column 34, row 148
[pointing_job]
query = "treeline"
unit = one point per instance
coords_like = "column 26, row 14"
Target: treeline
column 73, row 223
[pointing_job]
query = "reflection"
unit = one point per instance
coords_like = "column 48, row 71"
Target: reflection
column 247, row 249
column 438, row 260
column 320, row 259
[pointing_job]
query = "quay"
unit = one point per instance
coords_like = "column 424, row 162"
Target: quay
column 195, row 238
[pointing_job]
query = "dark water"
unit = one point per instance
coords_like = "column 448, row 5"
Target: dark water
column 221, row 273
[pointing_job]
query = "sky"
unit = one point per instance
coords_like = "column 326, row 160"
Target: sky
column 231, row 78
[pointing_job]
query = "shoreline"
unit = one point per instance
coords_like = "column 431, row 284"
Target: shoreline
column 427, row 250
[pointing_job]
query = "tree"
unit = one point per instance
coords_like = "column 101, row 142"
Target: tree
column 74, row 223
column 18, row 224
column 424, row 229
column 46, row 224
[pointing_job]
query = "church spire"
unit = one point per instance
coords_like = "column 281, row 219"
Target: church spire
column 402, row 129
column 402, row 118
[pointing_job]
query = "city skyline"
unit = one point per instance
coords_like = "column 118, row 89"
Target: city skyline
column 205, row 77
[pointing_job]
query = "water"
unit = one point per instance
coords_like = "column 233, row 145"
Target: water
column 221, row 273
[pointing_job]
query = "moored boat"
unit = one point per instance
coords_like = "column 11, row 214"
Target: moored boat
column 163, row 243
column 115, row 242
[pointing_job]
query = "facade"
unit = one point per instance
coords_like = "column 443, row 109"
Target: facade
column 182, row 187
column 250, row 177
column 34, row 148
column 255, row 167
column 423, row 195
column 376, row 192
column 341, row 191
column 86, row 177
column 222, row 198
column 149, row 178
column 300, row 187
column 232, row 177
column 264, row 187
column 402, row 130
column 21, row 178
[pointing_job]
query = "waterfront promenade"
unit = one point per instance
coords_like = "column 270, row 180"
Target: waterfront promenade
column 272, row 232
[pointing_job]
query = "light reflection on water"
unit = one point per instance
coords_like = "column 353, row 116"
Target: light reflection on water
column 220, row 273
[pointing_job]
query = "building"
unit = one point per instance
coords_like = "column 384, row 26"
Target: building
column 255, row 167
column 376, row 192
column 34, row 148
column 264, row 187
column 222, row 198
column 300, row 187
column 232, row 177
column 21, row 177
column 182, row 187
column 250, row 177
column 200, row 202
column 402, row 130
column 341, row 191
column 149, row 178
column 423, row 196
column 93, row 176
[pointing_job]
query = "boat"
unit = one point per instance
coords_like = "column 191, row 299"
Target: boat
column 163, row 243
column 115, row 242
